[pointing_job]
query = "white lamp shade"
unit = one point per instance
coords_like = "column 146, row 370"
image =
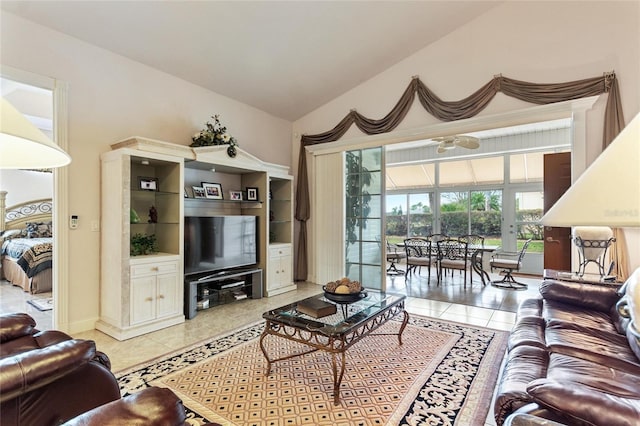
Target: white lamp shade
column 608, row 192
column 23, row 145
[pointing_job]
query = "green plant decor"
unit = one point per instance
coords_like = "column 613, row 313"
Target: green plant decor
column 143, row 244
column 215, row 134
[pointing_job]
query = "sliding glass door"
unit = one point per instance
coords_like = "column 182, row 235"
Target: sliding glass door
column 454, row 213
column 421, row 207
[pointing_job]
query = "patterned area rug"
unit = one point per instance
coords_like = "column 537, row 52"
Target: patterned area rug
column 444, row 373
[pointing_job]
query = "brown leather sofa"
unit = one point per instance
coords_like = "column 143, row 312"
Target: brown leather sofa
column 48, row 378
column 571, row 359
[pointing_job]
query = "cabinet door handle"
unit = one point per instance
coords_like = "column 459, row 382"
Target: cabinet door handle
column 149, row 299
column 161, row 296
column 155, row 269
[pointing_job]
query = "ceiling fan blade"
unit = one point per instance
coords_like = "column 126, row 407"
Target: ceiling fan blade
column 468, row 142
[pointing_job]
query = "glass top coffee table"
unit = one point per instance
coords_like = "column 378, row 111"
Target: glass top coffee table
column 333, row 333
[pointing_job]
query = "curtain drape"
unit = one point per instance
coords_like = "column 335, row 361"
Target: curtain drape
column 451, row 111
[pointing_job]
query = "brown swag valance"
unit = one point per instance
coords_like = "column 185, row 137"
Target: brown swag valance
column 451, row 111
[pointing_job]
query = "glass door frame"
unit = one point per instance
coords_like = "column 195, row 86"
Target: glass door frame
column 369, row 262
column 533, row 261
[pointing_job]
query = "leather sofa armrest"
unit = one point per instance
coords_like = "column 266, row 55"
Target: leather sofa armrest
column 26, row 371
column 152, row 406
column 581, row 404
column 597, row 297
column 15, row 325
column 52, row 337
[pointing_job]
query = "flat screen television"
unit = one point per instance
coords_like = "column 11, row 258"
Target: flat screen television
column 218, row 243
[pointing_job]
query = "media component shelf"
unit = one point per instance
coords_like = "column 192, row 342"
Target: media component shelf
column 147, row 194
column 204, row 291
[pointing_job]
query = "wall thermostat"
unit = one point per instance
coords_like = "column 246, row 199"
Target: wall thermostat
column 73, row 222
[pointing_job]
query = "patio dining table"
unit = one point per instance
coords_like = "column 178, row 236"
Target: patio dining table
column 476, row 259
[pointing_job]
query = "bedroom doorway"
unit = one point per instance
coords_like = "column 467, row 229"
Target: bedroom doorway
column 26, row 186
column 43, row 101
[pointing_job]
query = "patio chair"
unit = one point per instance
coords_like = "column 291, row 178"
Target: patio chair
column 592, row 243
column 434, row 238
column 394, row 255
column 476, row 251
column 453, row 254
column 509, row 262
column 418, row 253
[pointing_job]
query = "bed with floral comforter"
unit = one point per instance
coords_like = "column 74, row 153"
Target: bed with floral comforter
column 26, row 249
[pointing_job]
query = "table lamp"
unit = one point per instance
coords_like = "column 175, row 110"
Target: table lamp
column 23, row 145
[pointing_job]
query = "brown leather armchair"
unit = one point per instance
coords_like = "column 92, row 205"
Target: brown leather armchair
column 46, row 377
column 152, row 406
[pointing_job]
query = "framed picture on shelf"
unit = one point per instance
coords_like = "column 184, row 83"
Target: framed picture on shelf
column 198, row 192
column 148, row 183
column 235, row 195
column 252, row 193
column 213, row 190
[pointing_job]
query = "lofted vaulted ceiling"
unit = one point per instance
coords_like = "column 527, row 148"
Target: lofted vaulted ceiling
column 284, row 57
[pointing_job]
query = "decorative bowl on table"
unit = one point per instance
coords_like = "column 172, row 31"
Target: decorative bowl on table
column 344, row 291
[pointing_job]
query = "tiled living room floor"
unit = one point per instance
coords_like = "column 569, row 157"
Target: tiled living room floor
column 452, row 290
column 477, row 305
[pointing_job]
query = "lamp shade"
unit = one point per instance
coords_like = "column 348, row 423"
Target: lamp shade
column 23, row 145
column 608, row 192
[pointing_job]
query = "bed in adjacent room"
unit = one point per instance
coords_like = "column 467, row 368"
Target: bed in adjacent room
column 26, row 253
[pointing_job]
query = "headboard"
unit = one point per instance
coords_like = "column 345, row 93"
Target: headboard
column 16, row 217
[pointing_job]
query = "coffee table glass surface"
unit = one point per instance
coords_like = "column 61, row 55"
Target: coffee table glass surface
column 356, row 313
column 587, row 278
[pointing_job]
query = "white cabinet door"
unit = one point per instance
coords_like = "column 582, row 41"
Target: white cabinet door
column 167, row 295
column 154, row 291
column 280, row 266
column 143, row 303
column 286, row 274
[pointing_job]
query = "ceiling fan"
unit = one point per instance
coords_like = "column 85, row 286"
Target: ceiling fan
column 450, row 142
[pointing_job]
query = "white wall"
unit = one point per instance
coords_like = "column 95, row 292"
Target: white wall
column 25, row 185
column 112, row 98
column 541, row 42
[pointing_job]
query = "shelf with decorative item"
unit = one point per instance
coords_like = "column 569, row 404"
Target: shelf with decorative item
column 151, row 194
column 245, row 204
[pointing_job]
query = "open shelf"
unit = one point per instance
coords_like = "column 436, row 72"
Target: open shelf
column 204, row 291
column 242, row 203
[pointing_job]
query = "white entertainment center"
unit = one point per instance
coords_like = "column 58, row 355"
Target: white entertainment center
column 147, row 292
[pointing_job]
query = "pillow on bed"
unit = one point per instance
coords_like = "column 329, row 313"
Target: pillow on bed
column 39, row 229
column 13, row 233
